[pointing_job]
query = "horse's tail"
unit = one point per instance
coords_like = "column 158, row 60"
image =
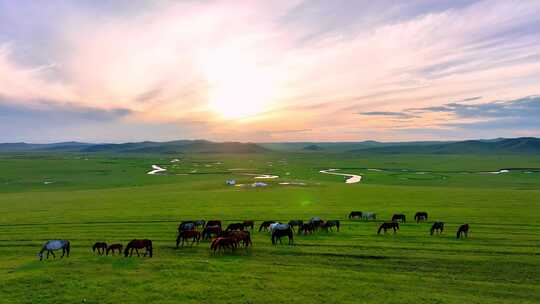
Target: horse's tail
column 126, row 251
column 337, row 225
column 432, row 229
column 380, row 228
column 149, row 247
column 291, row 238
column 458, row 233
column 261, row 227
column 68, row 247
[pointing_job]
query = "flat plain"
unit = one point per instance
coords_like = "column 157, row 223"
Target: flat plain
column 98, row 197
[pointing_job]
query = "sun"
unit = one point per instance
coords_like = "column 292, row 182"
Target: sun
column 237, row 87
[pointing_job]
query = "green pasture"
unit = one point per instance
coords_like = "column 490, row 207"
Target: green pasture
column 94, row 197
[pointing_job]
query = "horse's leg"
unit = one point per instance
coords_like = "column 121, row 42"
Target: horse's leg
column 137, row 251
column 48, row 254
column 54, row 256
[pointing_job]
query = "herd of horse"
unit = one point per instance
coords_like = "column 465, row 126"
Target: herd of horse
column 237, row 235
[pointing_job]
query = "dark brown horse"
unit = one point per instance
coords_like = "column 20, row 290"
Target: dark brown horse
column 210, row 231
column 194, row 235
column 114, row 247
column 437, row 226
column 101, row 248
column 355, row 214
column 278, row 233
column 249, row 223
column 222, row 243
column 463, row 229
column 138, row 244
column 398, row 217
column 265, row 225
column 307, row 228
column 213, row 223
column 243, row 237
column 421, row 216
column 388, row 225
column 296, row 223
column 235, row 226
column 326, row 226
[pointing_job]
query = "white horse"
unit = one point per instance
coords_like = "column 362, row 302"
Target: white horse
column 53, row 245
column 369, row 216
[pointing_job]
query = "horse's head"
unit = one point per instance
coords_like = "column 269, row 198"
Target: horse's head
column 40, row 255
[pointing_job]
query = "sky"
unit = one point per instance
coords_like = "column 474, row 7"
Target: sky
column 268, row 71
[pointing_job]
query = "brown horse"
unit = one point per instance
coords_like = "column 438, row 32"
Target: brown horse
column 388, row 225
column 420, row 216
column 265, row 225
column 194, row 235
column 211, row 230
column 235, row 226
column 463, row 229
column 398, row 217
column 222, row 243
column 138, row 244
column 101, row 247
column 114, row 247
column 243, row 237
column 249, row 223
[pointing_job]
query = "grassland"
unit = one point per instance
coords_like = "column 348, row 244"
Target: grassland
column 93, row 197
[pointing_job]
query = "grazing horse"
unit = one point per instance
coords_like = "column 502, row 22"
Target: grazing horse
column 194, row 235
column 437, row 226
column 199, row 223
column 222, row 243
column 235, row 226
column 51, row 246
column 264, row 225
column 307, row 228
column 278, row 226
column 213, row 223
column 278, row 233
column 249, row 223
column 463, row 229
column 388, row 225
column 138, row 244
column 420, row 216
column 101, row 247
column 316, row 222
column 329, row 224
column 211, row 230
column 297, row 223
column 369, row 216
column 239, row 236
column 186, row 225
column 114, row 247
column 355, row 214
column 398, row 217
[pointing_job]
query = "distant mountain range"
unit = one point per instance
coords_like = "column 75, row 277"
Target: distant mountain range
column 522, row 145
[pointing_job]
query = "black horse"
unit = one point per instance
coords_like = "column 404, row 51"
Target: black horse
column 437, row 226
column 235, row 226
column 355, row 214
column 100, row 247
column 213, row 223
column 138, row 244
column 306, row 228
column 398, row 217
column 297, row 223
column 463, row 229
column 420, row 216
column 329, row 224
column 388, row 225
column 265, row 225
column 278, row 233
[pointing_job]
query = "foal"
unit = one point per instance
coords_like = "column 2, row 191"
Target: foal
column 101, row 247
column 114, row 247
column 463, row 229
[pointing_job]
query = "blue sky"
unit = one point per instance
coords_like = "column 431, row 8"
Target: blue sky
column 297, row 70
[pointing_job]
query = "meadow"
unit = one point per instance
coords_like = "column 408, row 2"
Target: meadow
column 109, row 197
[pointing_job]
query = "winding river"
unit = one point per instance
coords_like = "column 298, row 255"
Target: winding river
column 352, row 178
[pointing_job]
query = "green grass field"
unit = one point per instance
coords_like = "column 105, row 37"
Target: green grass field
column 89, row 198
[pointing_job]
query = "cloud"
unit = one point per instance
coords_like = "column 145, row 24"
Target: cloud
column 390, row 114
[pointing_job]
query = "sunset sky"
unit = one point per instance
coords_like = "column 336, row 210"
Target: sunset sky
column 340, row 70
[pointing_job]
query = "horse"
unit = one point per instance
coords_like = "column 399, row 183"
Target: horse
column 194, row 235
column 329, row 224
column 186, row 225
column 249, row 223
column 437, row 226
column 388, row 225
column 316, row 222
column 278, row 225
column 235, row 226
column 296, row 223
column 278, row 233
column 239, row 236
column 369, row 216
column 199, row 223
column 355, row 214
column 306, row 228
column 420, row 216
column 400, row 217
column 138, row 244
column 53, row 245
column 265, row 225
column 222, row 243
column 101, row 247
column 463, row 229
column 213, row 223
column 114, row 247
column 211, row 230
